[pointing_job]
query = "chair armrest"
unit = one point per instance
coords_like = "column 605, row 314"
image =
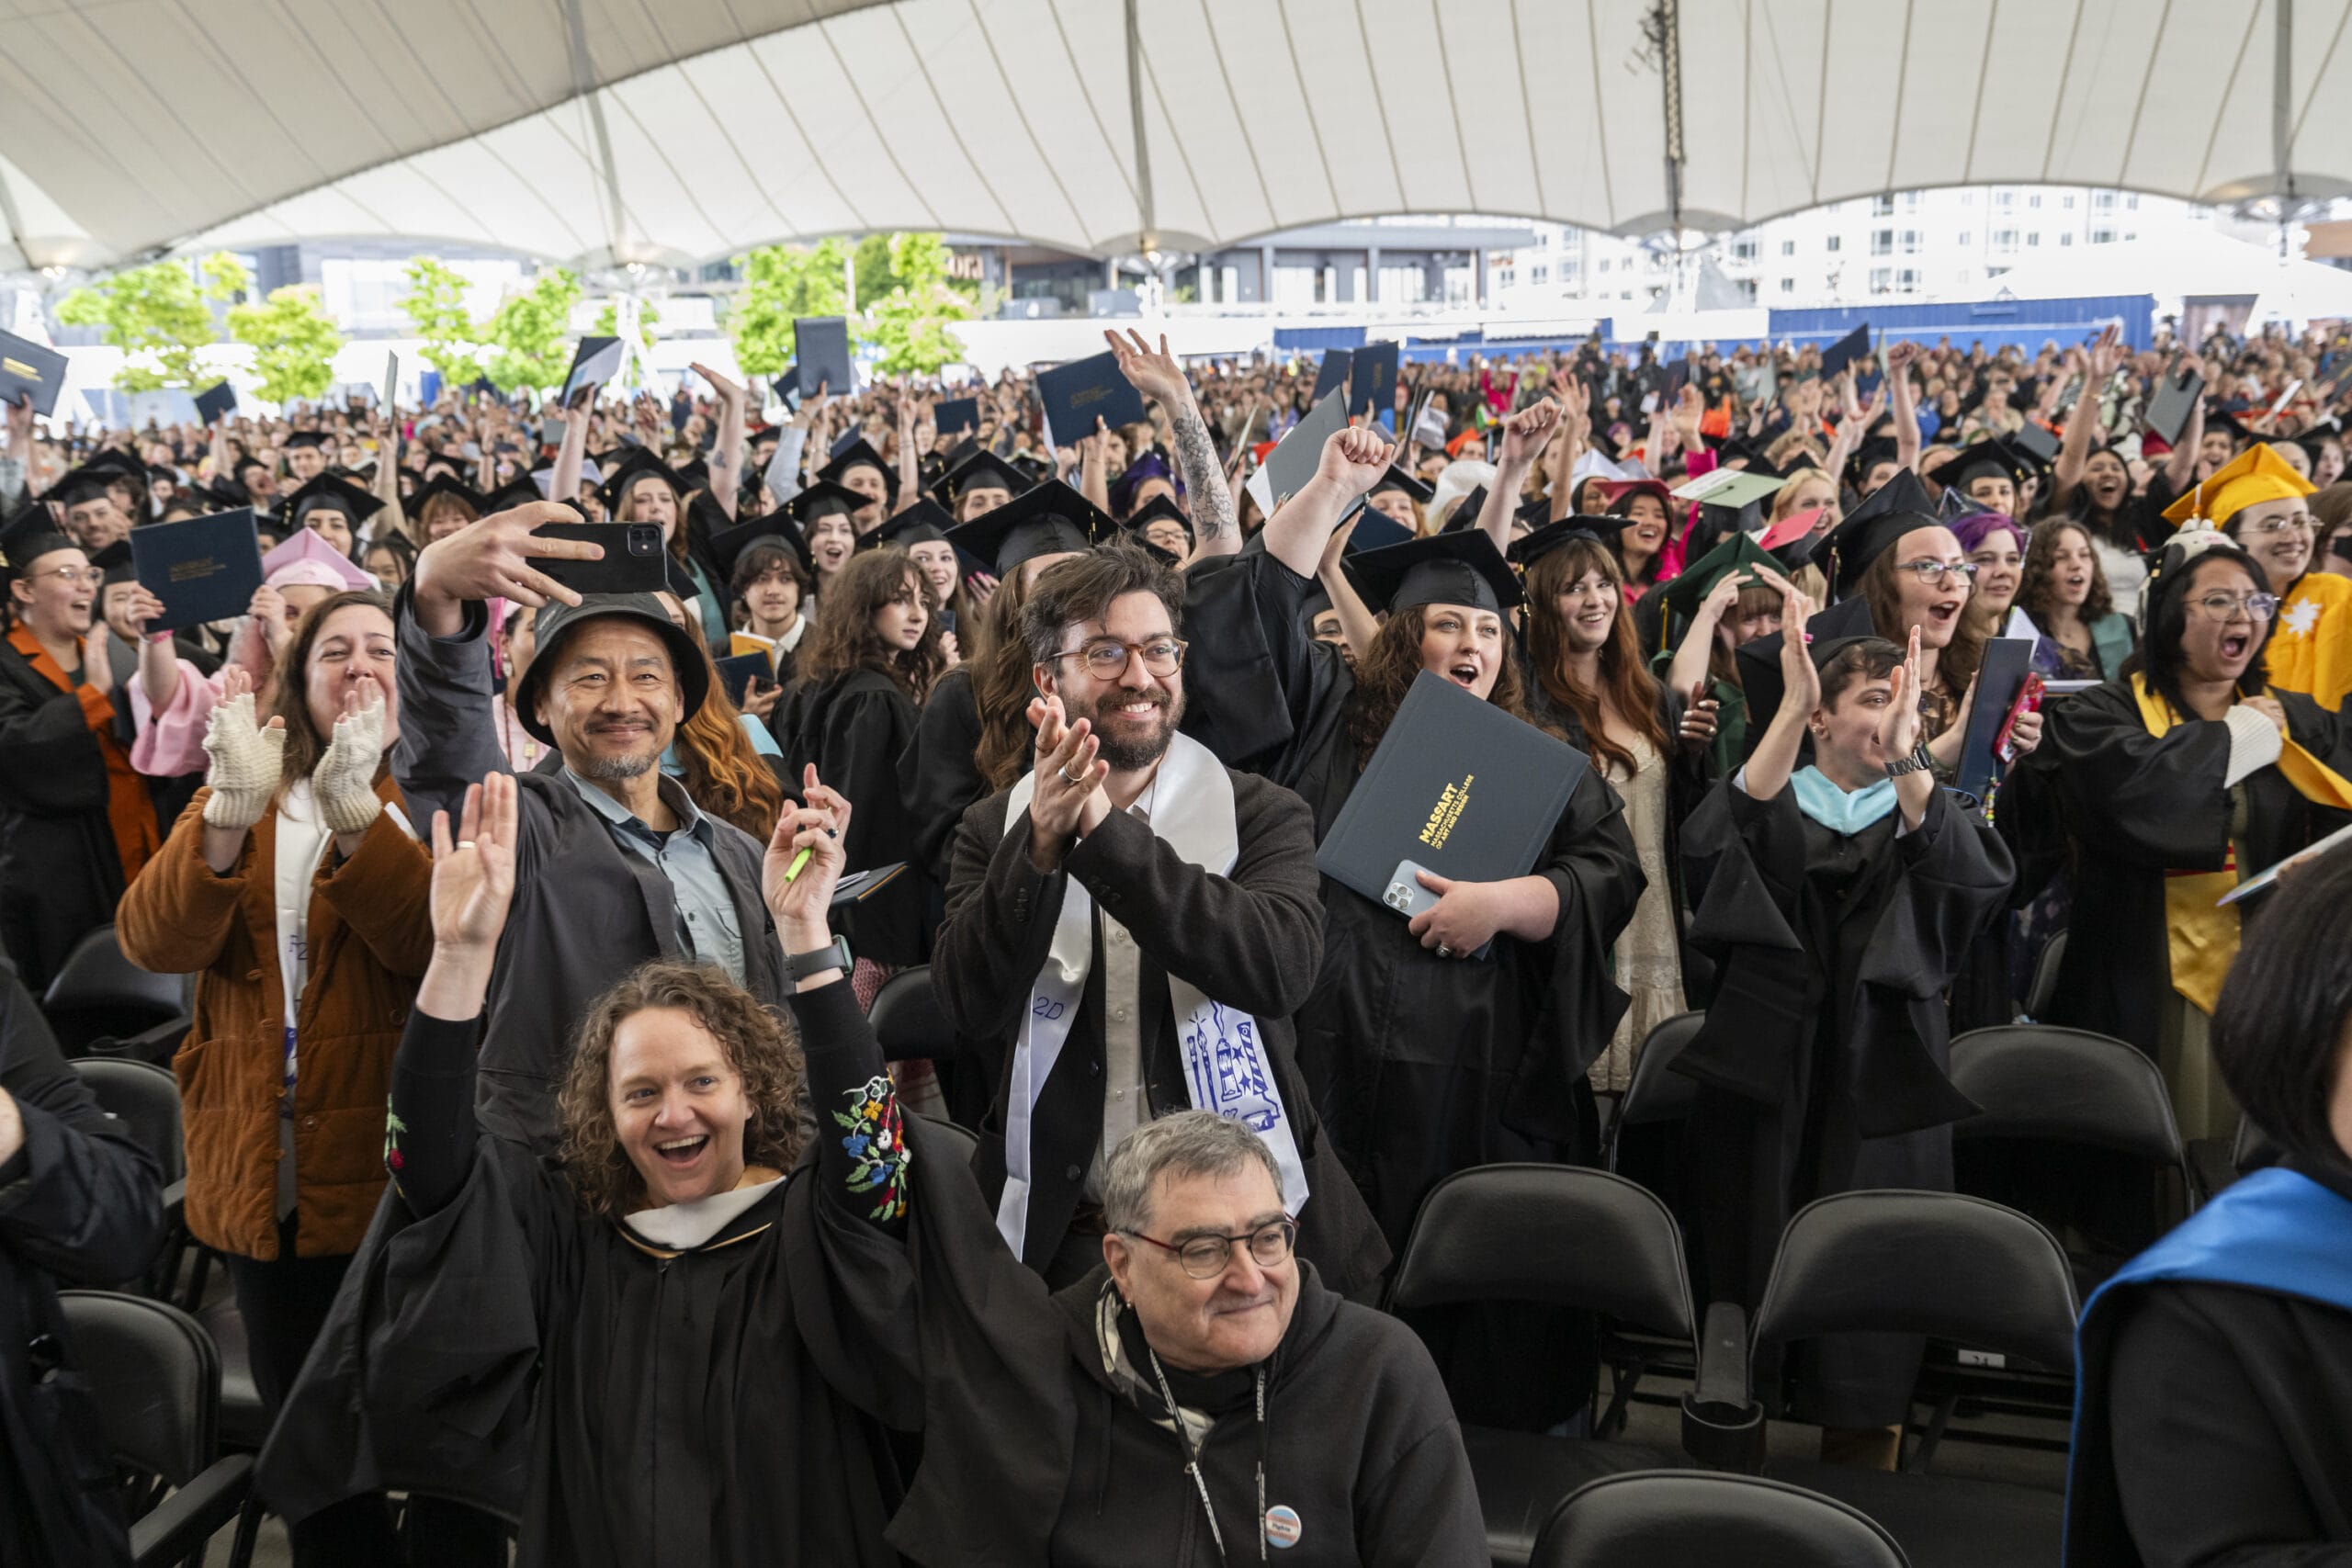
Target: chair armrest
column 1723, row 1427
column 183, row 1522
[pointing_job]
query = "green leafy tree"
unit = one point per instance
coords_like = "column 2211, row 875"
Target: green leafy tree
column 649, row 315
column 908, row 325
column 435, row 305
column 294, row 343
column 877, row 275
column 780, row 283
column 160, row 316
column 530, row 336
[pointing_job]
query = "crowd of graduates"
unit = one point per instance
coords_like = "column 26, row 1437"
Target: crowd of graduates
column 1039, row 739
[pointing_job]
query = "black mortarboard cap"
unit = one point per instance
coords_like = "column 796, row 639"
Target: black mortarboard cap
column 1151, row 510
column 449, row 485
column 640, row 461
column 823, row 499
column 1760, row 662
column 88, row 482
column 925, row 522
column 1448, row 569
column 1894, row 509
column 513, row 493
column 728, row 546
column 333, row 490
column 1992, row 454
column 32, row 533
column 1871, row 451
column 1602, row 531
column 1048, row 519
column 116, row 563
column 302, row 438
column 1398, row 479
column 861, row 453
column 984, row 469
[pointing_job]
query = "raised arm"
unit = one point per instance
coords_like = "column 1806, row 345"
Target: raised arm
column 726, row 453
column 1775, row 756
column 2180, row 468
column 1357, row 623
column 1161, row 379
column 1524, row 434
column 1352, row 461
column 1899, row 359
column 568, row 457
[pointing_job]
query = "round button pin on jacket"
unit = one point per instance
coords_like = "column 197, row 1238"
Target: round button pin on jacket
column 1282, row 1526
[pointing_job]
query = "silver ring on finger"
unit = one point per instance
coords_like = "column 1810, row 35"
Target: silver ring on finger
column 1067, row 779
column 1443, row 951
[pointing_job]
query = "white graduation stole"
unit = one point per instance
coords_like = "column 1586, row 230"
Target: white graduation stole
column 1225, row 1061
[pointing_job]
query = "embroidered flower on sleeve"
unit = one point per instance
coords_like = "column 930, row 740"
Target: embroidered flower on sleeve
column 875, row 1143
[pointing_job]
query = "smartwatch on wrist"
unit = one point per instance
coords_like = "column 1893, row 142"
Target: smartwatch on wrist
column 799, row 966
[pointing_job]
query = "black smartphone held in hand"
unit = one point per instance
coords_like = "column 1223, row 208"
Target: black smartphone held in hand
column 632, row 561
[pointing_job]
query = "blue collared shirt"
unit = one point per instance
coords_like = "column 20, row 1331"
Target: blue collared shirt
column 706, row 924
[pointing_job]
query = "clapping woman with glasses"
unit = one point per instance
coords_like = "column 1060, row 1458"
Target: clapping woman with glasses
column 2169, row 787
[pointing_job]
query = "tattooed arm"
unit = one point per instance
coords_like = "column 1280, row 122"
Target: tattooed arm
column 1160, row 377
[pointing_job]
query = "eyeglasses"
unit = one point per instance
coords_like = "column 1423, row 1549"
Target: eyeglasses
column 74, row 576
column 2224, row 608
column 1937, row 571
column 2300, row 522
column 1204, row 1257
column 1107, row 658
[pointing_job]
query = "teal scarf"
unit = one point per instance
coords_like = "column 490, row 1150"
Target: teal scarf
column 1835, row 809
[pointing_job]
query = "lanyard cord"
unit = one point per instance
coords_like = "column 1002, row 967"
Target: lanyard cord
column 1193, row 1458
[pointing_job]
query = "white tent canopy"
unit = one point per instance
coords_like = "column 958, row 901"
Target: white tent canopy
column 683, row 130
column 2204, row 265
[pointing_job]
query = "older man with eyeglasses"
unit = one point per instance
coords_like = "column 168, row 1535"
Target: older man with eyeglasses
column 1229, row 1407
column 1131, row 926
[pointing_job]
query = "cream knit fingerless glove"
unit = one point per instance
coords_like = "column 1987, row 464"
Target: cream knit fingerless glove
column 244, row 771
column 345, row 783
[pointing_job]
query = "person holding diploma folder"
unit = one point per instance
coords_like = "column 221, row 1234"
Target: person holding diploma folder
column 1426, row 1060
column 1837, row 901
column 2169, row 787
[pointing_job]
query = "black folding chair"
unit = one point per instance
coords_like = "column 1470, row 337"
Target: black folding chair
column 1561, row 1236
column 2076, row 1129
column 99, row 994
column 146, row 1101
column 1693, row 1518
column 1656, row 1095
column 155, row 1379
column 2043, row 988
column 1957, row 1270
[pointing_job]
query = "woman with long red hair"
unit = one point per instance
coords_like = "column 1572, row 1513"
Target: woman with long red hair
column 1587, row 680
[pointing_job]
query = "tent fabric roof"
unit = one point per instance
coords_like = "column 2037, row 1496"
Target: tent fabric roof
column 147, row 126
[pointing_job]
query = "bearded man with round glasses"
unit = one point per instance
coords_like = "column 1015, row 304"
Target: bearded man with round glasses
column 1129, row 928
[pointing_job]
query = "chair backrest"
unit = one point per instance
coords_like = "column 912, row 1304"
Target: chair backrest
column 907, row 1019
column 1657, row 1094
column 146, row 1100
column 95, row 975
column 2066, row 1086
column 1564, row 1236
column 2043, row 989
column 1940, row 1264
column 1698, row 1519
column 2252, row 1149
column 156, row 1376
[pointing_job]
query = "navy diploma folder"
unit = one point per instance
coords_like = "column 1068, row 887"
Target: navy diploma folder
column 1079, row 392
column 203, row 568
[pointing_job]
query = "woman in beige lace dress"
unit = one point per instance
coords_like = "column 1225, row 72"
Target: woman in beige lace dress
column 1588, row 682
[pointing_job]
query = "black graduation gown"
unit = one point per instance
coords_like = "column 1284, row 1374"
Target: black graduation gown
column 730, row 1404
column 79, row 1206
column 939, row 771
column 61, row 875
column 1822, row 1066
column 2214, row 1420
column 2131, row 807
column 853, row 727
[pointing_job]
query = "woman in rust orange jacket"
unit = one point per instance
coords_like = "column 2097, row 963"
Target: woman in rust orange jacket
column 293, row 886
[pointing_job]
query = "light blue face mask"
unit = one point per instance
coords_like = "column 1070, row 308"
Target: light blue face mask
column 1836, row 810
